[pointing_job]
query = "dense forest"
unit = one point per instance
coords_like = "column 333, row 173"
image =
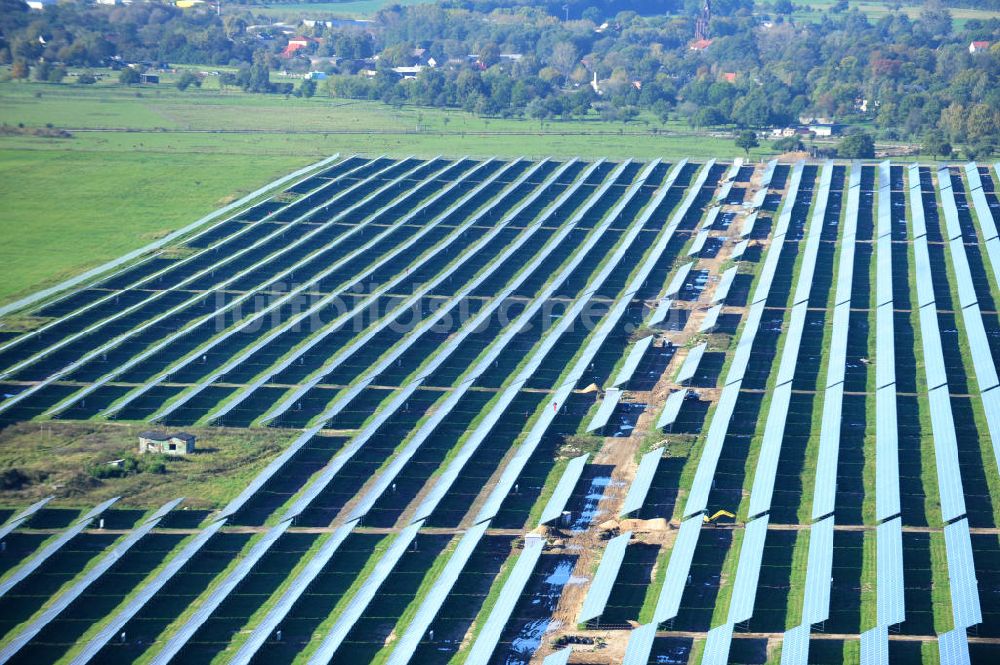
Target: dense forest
column 905, row 78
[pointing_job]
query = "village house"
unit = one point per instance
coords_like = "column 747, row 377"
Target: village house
column 155, row 442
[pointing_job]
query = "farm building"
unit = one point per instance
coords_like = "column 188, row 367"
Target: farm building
column 152, row 441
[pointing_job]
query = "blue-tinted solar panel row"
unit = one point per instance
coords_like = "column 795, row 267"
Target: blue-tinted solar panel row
column 557, row 502
column 632, row 361
column 949, row 474
column 386, row 258
column 825, row 489
column 339, row 239
column 639, row 488
column 845, row 271
column 678, row 280
column 659, row 314
column 691, row 363
column 52, row 547
column 916, row 202
column 404, row 305
column 748, row 571
column 269, row 471
column 713, row 214
column 991, row 406
column 765, row 178
column 385, row 478
column 807, row 269
column 770, row 450
column 748, row 222
column 21, row 517
column 164, row 315
column 725, row 283
column 984, row 215
column 838, row 344
column 510, row 473
column 16, row 642
column 886, row 454
column 739, row 249
column 793, row 341
column 883, row 271
column 604, row 578
column 886, row 433
column 451, row 472
column 966, row 291
column 672, row 408
column 701, row 486
column 524, row 452
column 770, row 266
column 272, row 620
column 489, row 636
column 729, row 179
column 952, row 224
column 604, row 411
column 344, row 455
column 933, row 354
column 953, row 648
column 406, row 646
column 923, row 273
column 819, row 571
column 978, row 343
column 699, row 243
column 521, row 457
column 360, row 601
column 962, row 575
column 152, row 278
column 411, row 301
column 890, row 592
column 741, row 356
column 795, row 646
column 145, row 594
column 675, row 580
column 884, row 223
column 640, row 643
column 875, row 646
column 217, row 594
column 514, row 329
column 711, row 319
column 717, row 645
column 495, row 350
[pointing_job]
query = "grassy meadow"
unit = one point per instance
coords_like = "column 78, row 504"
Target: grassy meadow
column 54, row 457
column 142, row 162
column 812, row 10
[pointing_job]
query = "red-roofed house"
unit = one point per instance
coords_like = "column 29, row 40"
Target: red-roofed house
column 976, row 47
column 700, row 44
column 730, row 76
column 294, row 44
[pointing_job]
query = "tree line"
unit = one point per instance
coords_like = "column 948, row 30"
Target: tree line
column 899, row 77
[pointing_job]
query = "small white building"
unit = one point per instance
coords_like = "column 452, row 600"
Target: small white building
column 979, row 47
column 155, row 442
column 822, row 130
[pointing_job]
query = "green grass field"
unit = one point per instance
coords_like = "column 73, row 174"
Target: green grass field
column 142, row 162
column 874, row 10
column 348, row 9
column 54, row 456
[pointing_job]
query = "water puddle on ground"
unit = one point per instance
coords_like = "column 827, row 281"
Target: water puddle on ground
column 591, row 501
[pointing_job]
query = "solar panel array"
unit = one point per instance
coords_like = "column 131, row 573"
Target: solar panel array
column 439, row 475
